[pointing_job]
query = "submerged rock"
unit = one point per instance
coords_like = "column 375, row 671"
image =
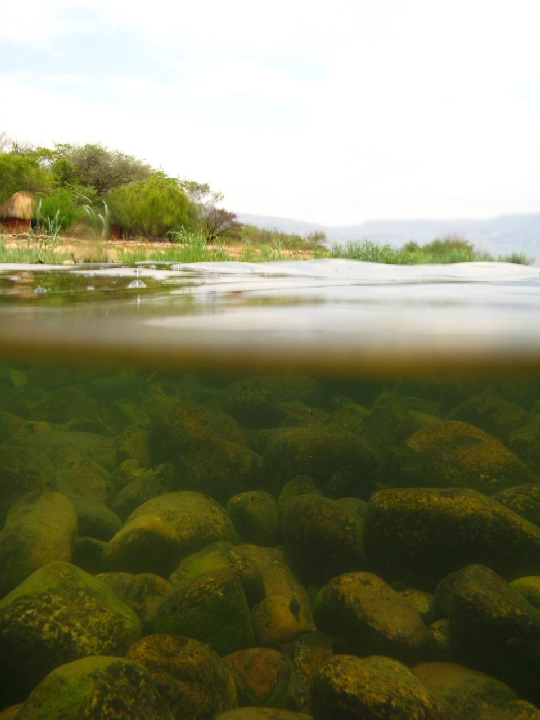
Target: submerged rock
column 420, row 535
column 192, row 679
column 310, row 652
column 255, row 517
column 338, row 691
column 96, row 687
column 40, row 528
column 22, row 470
column 261, row 676
column 60, row 613
column 367, row 617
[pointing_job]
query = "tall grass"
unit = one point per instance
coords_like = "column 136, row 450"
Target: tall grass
column 191, row 247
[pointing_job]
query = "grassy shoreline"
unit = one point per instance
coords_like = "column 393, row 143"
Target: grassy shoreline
column 67, row 250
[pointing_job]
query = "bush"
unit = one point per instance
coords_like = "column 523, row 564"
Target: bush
column 151, row 207
column 22, row 172
column 59, row 206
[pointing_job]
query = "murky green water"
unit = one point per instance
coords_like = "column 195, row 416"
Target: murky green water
column 229, row 485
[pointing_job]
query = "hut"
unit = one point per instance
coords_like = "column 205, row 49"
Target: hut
column 16, row 212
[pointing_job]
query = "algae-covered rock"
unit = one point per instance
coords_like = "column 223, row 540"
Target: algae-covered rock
column 310, row 652
column 523, row 500
column 324, row 539
column 255, row 402
column 95, row 518
column 261, row 676
column 529, row 587
column 192, row 679
column 338, row 691
column 22, row 470
column 141, row 489
column 299, row 485
column 423, row 602
column 62, row 405
column 255, row 517
column 219, row 556
column 40, row 528
column 525, row 442
column 259, row 713
column 468, row 692
column 456, row 454
column 97, row 448
column 88, row 554
column 60, row 613
column 368, row 617
column 339, row 462
column 147, row 543
column 279, row 620
column 493, row 415
column 197, row 520
column 513, row 710
column 134, row 444
column 144, row 594
column 96, row 687
column 420, row 535
column 211, row 608
column 495, row 628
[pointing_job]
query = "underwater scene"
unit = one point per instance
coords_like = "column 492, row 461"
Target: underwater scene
column 270, row 495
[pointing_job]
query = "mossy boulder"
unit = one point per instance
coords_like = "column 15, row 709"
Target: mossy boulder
column 261, row 676
column 323, row 538
column 134, row 444
column 299, row 485
column 419, row 535
column 59, row 614
column 280, row 620
column 369, row 617
column 338, row 691
column 457, row 454
column 22, row 470
column 310, row 652
column 144, row 594
column 40, row 528
column 493, row 415
column 147, row 543
column 255, row 517
column 525, row 442
column 468, row 692
column 529, row 587
column 259, row 713
column 339, row 462
column 254, row 402
column 192, row 679
column 95, row 517
column 523, row 500
column 100, row 450
column 220, row 556
column 142, row 488
column 104, row 687
column 197, row 519
column 423, row 602
column 211, row 608
column 88, row 554
column 493, row 626
column 62, row 405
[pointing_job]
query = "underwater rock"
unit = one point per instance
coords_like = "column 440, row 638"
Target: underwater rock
column 310, row 652
column 96, row 687
column 279, row 620
column 322, row 538
column 146, row 544
column 456, row 454
column 211, row 608
column 142, row 488
column 255, row 517
column 423, row 602
column 494, row 627
column 420, row 535
column 22, row 470
column 118, row 582
column 299, row 485
column 255, row 401
column 60, row 613
column 525, row 442
column 439, row 646
column 338, row 691
column 219, row 556
column 338, row 461
column 63, row 405
column 134, row 444
column 261, row 676
column 529, row 587
column 259, row 713
column 513, row 710
column 40, row 528
column 88, row 554
column 99, row 450
column 13, row 426
column 367, row 617
column 12, row 402
column 192, row 679
column 197, row 519
column 523, row 500
column 492, row 415
column 143, row 595
column 95, row 518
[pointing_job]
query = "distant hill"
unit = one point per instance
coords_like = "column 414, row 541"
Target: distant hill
column 499, row 236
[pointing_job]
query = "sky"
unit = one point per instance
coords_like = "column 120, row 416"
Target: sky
column 334, row 113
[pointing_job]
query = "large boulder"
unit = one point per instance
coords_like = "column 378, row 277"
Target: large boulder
column 420, row 535
column 59, row 614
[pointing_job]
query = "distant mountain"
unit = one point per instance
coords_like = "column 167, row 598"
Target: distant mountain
column 499, row 236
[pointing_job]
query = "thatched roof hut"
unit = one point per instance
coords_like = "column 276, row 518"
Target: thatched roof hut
column 17, row 211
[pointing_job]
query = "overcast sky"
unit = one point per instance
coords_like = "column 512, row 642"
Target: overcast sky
column 330, row 112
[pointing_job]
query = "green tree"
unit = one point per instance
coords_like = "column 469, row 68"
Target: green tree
column 22, row 172
column 150, row 207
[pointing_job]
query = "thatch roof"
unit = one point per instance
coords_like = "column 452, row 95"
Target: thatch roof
column 19, row 205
